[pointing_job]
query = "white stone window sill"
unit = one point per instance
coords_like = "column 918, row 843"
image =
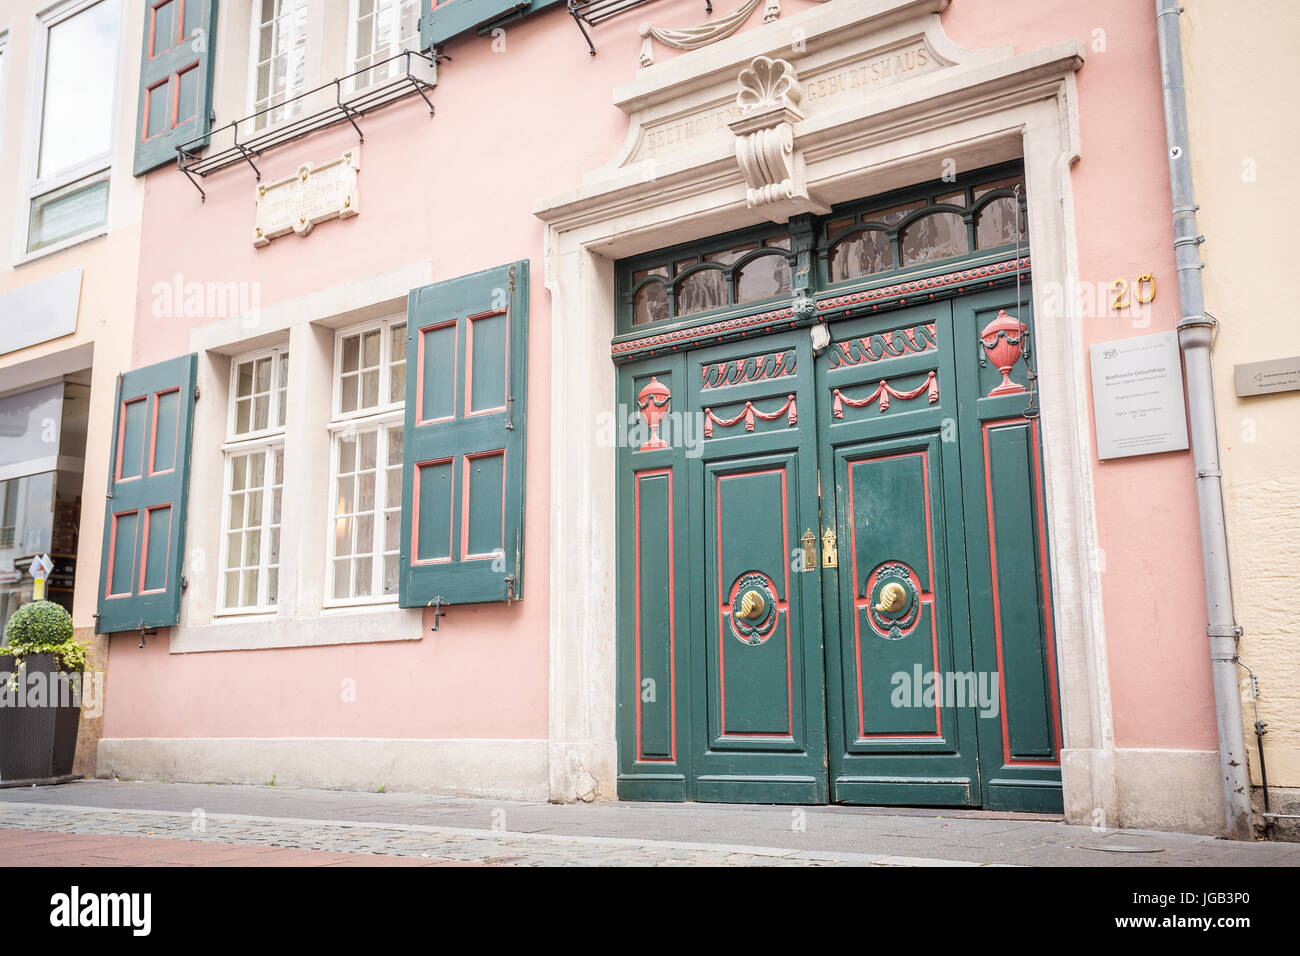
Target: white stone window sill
column 97, row 233
column 371, row 623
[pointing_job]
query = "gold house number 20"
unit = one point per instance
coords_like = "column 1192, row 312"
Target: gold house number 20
column 1144, row 290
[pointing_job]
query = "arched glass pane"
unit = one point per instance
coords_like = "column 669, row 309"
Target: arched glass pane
column 940, row 235
column 861, row 254
column 997, row 224
column 651, row 304
column 701, row 291
column 728, row 256
column 763, row 278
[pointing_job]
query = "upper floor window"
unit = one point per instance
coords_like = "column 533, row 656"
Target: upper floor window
column 78, row 44
column 381, row 29
column 279, row 59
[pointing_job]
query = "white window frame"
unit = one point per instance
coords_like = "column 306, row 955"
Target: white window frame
column 4, row 81
column 349, row 54
column 264, row 440
column 93, row 170
column 350, row 425
column 311, row 48
column 278, row 386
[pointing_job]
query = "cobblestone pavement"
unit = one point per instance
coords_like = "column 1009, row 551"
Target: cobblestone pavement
column 439, row 828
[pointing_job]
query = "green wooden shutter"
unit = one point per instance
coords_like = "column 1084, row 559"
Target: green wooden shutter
column 175, row 79
column 463, row 485
column 144, row 522
column 440, row 21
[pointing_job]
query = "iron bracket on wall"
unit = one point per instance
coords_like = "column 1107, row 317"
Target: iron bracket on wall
column 415, row 76
column 591, row 12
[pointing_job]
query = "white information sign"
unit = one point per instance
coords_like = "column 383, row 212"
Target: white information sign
column 1137, row 396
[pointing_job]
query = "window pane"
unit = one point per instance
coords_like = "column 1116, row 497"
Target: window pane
column 80, row 70
column 940, row 235
column 701, row 291
column 67, row 212
column 861, row 254
column 997, row 224
column 763, row 278
column 651, row 304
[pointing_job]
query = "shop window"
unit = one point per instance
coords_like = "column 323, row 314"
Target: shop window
column 366, row 452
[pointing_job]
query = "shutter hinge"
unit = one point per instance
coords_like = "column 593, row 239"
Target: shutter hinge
column 512, row 578
column 512, row 279
column 438, row 612
column 197, row 394
column 510, row 413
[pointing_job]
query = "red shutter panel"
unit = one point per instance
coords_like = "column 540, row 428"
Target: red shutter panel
column 144, row 521
column 463, row 485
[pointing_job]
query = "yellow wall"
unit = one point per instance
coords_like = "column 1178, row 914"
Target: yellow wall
column 106, row 317
column 1239, row 64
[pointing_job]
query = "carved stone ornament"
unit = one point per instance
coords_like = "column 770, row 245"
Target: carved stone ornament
column 768, row 101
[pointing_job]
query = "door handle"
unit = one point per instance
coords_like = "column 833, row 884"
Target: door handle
column 752, row 606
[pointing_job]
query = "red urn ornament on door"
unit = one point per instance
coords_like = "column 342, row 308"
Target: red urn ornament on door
column 653, row 400
column 1004, row 340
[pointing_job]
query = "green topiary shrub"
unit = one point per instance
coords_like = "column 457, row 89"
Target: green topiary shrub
column 41, row 627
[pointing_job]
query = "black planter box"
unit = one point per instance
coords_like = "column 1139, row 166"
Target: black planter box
column 37, row 742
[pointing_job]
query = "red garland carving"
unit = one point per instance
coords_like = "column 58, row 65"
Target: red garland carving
column 748, row 413
column 883, row 391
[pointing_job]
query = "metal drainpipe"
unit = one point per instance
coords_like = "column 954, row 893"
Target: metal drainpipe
column 1196, row 336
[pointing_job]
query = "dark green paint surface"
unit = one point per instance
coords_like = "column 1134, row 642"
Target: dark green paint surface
column 950, row 701
column 144, row 520
column 463, row 493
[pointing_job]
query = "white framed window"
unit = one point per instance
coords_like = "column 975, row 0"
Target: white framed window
column 378, row 29
column 253, row 491
column 278, row 60
column 76, row 69
column 258, row 390
column 366, row 463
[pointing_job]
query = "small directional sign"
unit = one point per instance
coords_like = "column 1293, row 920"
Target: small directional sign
column 40, row 568
column 1273, row 375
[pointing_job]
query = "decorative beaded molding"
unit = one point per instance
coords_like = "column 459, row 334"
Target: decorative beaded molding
column 882, row 392
column 948, row 282
column 748, row 414
column 885, row 296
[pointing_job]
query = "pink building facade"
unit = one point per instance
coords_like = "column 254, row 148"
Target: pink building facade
column 490, row 253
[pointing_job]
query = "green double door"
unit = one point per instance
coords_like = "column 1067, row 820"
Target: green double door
column 833, row 569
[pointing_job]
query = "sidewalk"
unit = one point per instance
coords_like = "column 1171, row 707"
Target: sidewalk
column 124, row 823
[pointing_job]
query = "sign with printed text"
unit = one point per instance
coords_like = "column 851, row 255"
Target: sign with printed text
column 1264, row 378
column 310, row 196
column 1137, row 396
